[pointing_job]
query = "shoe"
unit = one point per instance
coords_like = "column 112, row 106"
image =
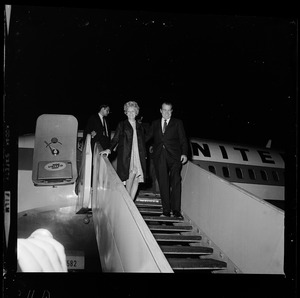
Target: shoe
column 177, row 215
column 165, row 214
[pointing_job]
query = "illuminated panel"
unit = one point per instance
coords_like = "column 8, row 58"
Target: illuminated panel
column 54, row 157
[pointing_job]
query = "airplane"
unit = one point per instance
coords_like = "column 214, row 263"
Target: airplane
column 54, row 192
column 259, row 171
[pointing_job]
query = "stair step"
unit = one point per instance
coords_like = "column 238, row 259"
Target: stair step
column 196, row 264
column 148, row 199
column 186, row 250
column 157, row 211
column 148, row 205
column 148, row 195
column 162, row 219
column 177, row 238
column 175, row 246
column 170, row 228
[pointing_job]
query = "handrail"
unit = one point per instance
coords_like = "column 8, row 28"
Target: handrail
column 124, row 240
column 249, row 230
column 83, row 184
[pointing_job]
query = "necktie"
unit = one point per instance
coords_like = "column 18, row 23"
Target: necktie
column 105, row 127
column 165, row 125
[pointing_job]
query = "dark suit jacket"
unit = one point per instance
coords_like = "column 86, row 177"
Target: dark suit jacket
column 123, row 137
column 94, row 123
column 173, row 140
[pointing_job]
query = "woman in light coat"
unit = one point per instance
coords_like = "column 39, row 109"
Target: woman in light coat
column 131, row 160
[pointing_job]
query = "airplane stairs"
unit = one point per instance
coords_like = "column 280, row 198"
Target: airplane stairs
column 179, row 240
column 132, row 237
column 225, row 229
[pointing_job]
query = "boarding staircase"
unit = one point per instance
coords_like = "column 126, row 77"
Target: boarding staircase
column 179, row 240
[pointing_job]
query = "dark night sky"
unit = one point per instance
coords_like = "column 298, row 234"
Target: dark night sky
column 230, row 77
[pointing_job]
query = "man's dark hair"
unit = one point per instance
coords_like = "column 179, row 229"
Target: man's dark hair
column 103, row 106
column 166, row 102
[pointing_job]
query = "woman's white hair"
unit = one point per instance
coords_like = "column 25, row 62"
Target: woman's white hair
column 131, row 104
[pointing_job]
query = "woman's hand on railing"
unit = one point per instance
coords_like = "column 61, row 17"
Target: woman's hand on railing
column 93, row 133
column 105, row 152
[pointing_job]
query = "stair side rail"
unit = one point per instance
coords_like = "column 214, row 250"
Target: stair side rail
column 83, row 184
column 249, row 230
column 124, row 240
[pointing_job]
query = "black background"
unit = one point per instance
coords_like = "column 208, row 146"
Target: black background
column 230, row 76
column 230, row 73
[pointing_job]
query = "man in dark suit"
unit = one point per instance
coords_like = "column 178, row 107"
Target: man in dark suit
column 170, row 149
column 99, row 129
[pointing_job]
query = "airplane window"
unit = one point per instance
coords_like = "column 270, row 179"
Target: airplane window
column 275, row 176
column 225, row 172
column 251, row 174
column 239, row 173
column 212, row 169
column 264, row 175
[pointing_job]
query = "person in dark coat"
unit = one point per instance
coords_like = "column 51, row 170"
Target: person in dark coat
column 98, row 128
column 170, row 149
column 131, row 159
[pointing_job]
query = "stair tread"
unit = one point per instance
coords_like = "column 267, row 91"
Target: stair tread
column 148, row 195
column 150, row 211
column 145, row 199
column 153, row 208
column 194, row 264
column 162, row 219
column 181, row 238
column 170, row 228
column 148, row 204
column 177, row 249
